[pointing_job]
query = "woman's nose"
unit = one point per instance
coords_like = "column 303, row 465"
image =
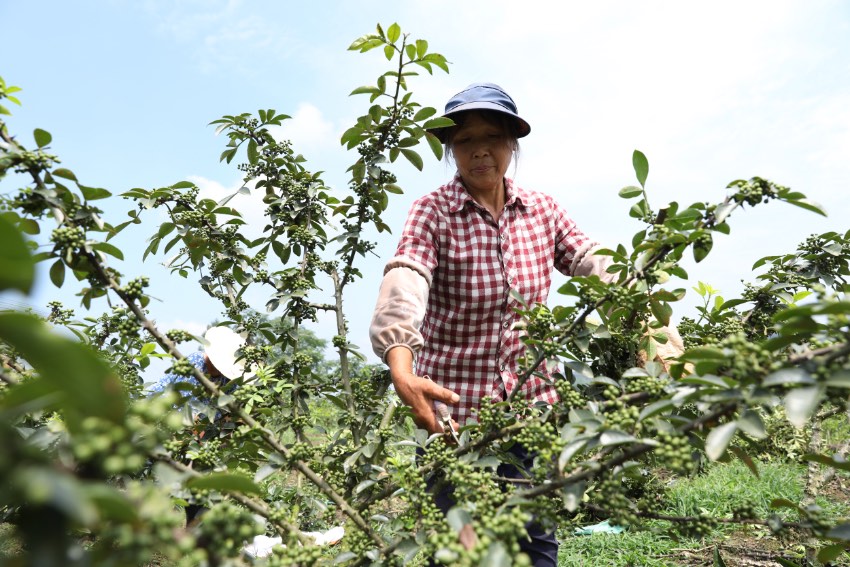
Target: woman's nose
column 481, row 148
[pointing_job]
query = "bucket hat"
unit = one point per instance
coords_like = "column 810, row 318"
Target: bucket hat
column 221, row 348
column 482, row 96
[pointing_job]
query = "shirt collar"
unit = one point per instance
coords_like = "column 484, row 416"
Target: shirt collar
column 457, row 195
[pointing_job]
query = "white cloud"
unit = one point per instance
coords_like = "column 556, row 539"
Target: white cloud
column 308, row 130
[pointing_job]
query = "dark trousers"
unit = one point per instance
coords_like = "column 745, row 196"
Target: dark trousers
column 540, row 546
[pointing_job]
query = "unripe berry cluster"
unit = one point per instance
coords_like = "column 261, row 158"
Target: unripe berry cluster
column 68, row 237
column 651, row 385
column 569, row 396
column 57, row 314
column 125, row 323
column 754, row 191
column 135, row 287
column 178, row 335
column 674, row 452
column 226, row 527
column 697, row 528
column 610, row 495
column 182, row 367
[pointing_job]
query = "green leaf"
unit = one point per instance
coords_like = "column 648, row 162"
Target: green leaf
column 64, row 173
column 88, row 386
column 393, row 33
column 413, row 158
column 788, row 376
column 421, row 47
column 662, row 311
column 839, row 379
column 389, row 53
column 17, row 268
column 800, row 404
column 630, row 191
column 841, row 531
column 718, row 439
column 225, row 482
column 751, row 423
column 702, row 249
column 830, row 552
column 496, row 556
column 364, row 90
column 42, row 137
column 435, row 145
column 424, row 113
column 253, row 154
column 110, row 502
column 718, row 559
column 746, row 459
column 94, row 193
column 57, row 273
column 109, row 249
column 641, row 166
column 808, row 205
column 439, row 122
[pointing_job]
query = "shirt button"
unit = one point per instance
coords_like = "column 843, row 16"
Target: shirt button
column 506, row 324
column 502, row 367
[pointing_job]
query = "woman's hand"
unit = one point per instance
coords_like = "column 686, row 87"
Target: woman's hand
column 417, row 392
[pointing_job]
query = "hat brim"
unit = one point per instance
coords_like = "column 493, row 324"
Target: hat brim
column 221, row 348
column 441, row 133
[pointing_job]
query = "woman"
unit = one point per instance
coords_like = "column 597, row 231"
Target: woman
column 445, row 298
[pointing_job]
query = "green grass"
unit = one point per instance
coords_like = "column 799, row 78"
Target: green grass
column 716, row 493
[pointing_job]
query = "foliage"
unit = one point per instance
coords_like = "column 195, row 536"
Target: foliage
column 86, row 453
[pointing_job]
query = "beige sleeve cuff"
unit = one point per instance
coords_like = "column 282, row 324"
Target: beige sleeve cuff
column 587, row 263
column 400, row 308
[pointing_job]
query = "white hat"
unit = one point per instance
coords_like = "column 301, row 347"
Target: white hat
column 222, row 344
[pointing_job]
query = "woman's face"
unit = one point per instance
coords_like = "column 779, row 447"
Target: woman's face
column 482, row 152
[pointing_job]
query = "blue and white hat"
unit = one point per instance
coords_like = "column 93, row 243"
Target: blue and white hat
column 482, row 96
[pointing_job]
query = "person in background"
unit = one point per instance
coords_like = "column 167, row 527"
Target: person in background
column 445, row 300
column 219, row 361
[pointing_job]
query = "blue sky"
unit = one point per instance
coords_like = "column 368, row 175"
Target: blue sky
column 710, row 92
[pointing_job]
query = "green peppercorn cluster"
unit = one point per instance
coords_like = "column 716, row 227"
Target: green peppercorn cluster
column 68, row 237
column 623, row 417
column 699, row 527
column 135, row 288
column 178, row 336
column 156, row 531
column 674, row 451
column 744, row 511
column 57, row 314
column 754, row 191
column 125, row 323
column 748, row 360
column 182, row 367
column 651, row 385
column 543, row 440
column 295, row 554
column 225, row 529
column 610, row 495
column 492, row 416
column 207, row 454
column 568, row 395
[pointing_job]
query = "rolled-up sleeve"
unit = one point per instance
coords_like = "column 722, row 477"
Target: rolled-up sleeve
column 400, row 308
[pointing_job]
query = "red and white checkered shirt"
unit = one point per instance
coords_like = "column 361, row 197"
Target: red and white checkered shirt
column 470, row 345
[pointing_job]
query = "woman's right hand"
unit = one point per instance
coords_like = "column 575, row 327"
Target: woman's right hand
column 417, row 392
